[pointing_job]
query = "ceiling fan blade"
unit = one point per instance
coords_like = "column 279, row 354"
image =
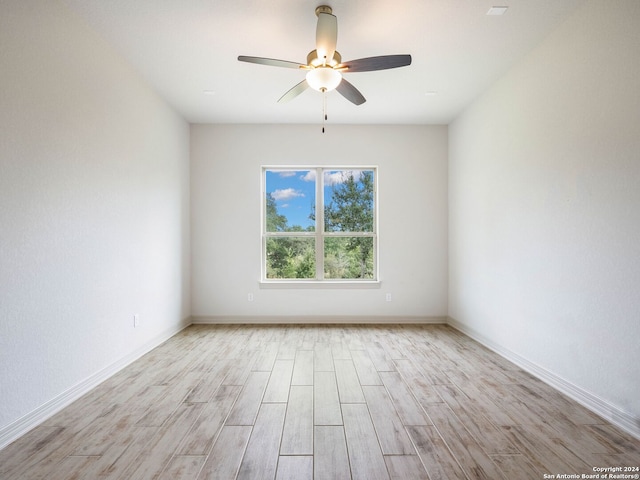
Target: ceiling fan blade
column 271, row 62
column 326, row 36
column 377, row 63
column 350, row 92
column 294, row 92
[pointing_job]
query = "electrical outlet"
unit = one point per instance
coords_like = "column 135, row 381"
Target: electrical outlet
column 136, row 320
column 250, row 297
column 388, row 297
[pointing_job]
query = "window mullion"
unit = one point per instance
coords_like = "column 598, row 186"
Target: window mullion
column 319, row 224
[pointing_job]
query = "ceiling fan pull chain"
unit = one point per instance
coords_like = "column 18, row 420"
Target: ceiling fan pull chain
column 324, row 109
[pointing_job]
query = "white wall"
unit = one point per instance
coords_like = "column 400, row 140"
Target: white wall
column 94, row 196
column 226, row 171
column 544, row 196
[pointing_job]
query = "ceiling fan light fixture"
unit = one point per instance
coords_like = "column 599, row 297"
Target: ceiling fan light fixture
column 324, row 65
column 323, row 79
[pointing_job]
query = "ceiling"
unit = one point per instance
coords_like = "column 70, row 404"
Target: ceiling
column 187, row 50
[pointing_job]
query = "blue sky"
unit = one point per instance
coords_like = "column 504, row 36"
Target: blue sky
column 295, row 191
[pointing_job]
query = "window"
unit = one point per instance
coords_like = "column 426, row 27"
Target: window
column 319, row 224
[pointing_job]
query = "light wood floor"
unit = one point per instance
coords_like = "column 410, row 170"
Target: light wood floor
column 323, row 402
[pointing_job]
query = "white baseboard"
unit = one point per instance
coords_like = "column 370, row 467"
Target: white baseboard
column 15, row 430
column 613, row 414
column 315, row 319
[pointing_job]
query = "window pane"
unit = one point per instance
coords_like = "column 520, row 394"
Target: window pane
column 291, row 257
column 348, row 257
column 291, row 199
column 348, row 197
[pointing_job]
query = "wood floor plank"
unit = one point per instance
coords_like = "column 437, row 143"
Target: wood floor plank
column 28, row 450
column 330, row 458
column 549, row 453
column 614, row 437
column 392, row 436
column 533, row 389
column 326, row 401
column 261, row 456
column 246, row 408
column 435, row 455
column 110, row 388
column 297, row 436
column 209, row 383
column 322, row 360
column 395, row 346
column 47, row 454
column 430, row 362
column 295, row 468
column 365, row 368
column 509, row 402
column 266, row 357
column 492, row 440
column 560, row 425
column 96, row 438
column 340, row 351
column 349, row 388
column 517, row 466
column 72, row 467
column 473, row 460
column 279, row 382
column 183, row 467
column 121, row 454
column 199, row 440
column 490, row 407
column 287, row 351
column 422, row 389
column 160, row 401
column 157, row 453
column 379, row 357
column 82, row 414
column 405, row 467
column 410, row 412
column 224, row 460
column 240, row 369
column 365, row 455
column 303, row 368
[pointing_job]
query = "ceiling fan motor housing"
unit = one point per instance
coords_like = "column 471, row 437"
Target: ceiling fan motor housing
column 314, row 61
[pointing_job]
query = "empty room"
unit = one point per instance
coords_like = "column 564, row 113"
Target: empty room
column 332, row 240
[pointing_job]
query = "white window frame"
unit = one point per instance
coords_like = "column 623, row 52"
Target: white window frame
column 319, row 234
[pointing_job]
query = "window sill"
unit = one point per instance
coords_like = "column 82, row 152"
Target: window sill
column 319, row 284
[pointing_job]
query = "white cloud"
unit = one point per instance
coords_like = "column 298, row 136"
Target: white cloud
column 287, row 173
column 341, row 176
column 310, row 176
column 286, row 194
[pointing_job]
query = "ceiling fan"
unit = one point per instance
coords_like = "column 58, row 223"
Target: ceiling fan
column 324, row 64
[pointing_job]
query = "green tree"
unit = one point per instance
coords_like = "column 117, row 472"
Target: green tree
column 287, row 257
column 275, row 221
column 351, row 210
column 277, row 252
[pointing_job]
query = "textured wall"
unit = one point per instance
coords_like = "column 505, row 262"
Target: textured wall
column 94, row 195
column 544, row 196
column 226, row 169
